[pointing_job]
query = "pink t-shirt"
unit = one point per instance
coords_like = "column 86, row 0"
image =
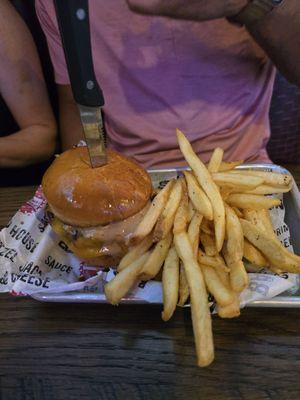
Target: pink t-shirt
column 209, row 79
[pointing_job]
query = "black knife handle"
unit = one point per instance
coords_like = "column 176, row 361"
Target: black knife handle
column 74, row 26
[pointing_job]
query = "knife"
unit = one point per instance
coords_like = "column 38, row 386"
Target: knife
column 74, row 26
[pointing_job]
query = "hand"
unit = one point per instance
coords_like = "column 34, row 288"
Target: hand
column 196, row 10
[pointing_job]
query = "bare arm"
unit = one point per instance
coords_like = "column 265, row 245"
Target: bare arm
column 69, row 118
column 23, row 89
column 278, row 33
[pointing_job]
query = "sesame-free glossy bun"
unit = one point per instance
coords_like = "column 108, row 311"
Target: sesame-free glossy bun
column 83, row 196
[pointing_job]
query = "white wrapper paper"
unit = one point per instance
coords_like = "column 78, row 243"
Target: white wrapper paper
column 34, row 260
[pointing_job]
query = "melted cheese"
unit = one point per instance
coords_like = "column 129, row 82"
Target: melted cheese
column 101, row 240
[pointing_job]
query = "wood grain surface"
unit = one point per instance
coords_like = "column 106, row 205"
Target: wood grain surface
column 11, row 199
column 94, row 352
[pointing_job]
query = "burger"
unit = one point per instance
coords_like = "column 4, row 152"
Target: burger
column 96, row 210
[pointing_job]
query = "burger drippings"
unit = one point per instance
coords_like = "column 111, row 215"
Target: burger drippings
column 101, row 240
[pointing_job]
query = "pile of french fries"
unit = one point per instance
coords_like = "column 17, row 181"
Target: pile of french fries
column 198, row 230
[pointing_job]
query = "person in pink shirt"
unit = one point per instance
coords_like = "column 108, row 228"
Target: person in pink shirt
column 199, row 71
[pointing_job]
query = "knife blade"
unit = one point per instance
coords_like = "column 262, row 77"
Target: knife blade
column 73, row 22
column 92, row 123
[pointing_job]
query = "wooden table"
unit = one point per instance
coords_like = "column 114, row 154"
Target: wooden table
column 87, row 352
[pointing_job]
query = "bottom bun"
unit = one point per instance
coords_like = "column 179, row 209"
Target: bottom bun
column 102, row 261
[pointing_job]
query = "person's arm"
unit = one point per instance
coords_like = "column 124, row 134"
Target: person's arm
column 69, row 122
column 278, row 33
column 23, row 89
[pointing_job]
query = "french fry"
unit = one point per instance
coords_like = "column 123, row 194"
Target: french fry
column 206, row 182
column 271, row 248
column 252, row 201
column 238, row 275
column 264, row 217
column 225, row 191
column 166, row 219
column 215, row 160
column 224, row 276
column 238, row 212
column 228, row 166
column 156, row 258
column 120, row 285
column 215, row 286
column 199, row 303
column 170, row 283
column 233, row 309
column 215, row 261
column 252, row 216
column 209, row 244
column 194, row 232
column 275, row 269
column 184, row 291
column 235, row 236
column 191, row 211
column 230, row 311
column 207, row 227
column 180, row 225
column 269, row 178
column 182, row 214
column 254, row 256
column 152, row 215
column 237, row 180
column 135, row 252
column 197, row 196
column 155, row 192
column 264, row 189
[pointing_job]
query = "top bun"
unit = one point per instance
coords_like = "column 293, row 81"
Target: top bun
column 83, row 196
